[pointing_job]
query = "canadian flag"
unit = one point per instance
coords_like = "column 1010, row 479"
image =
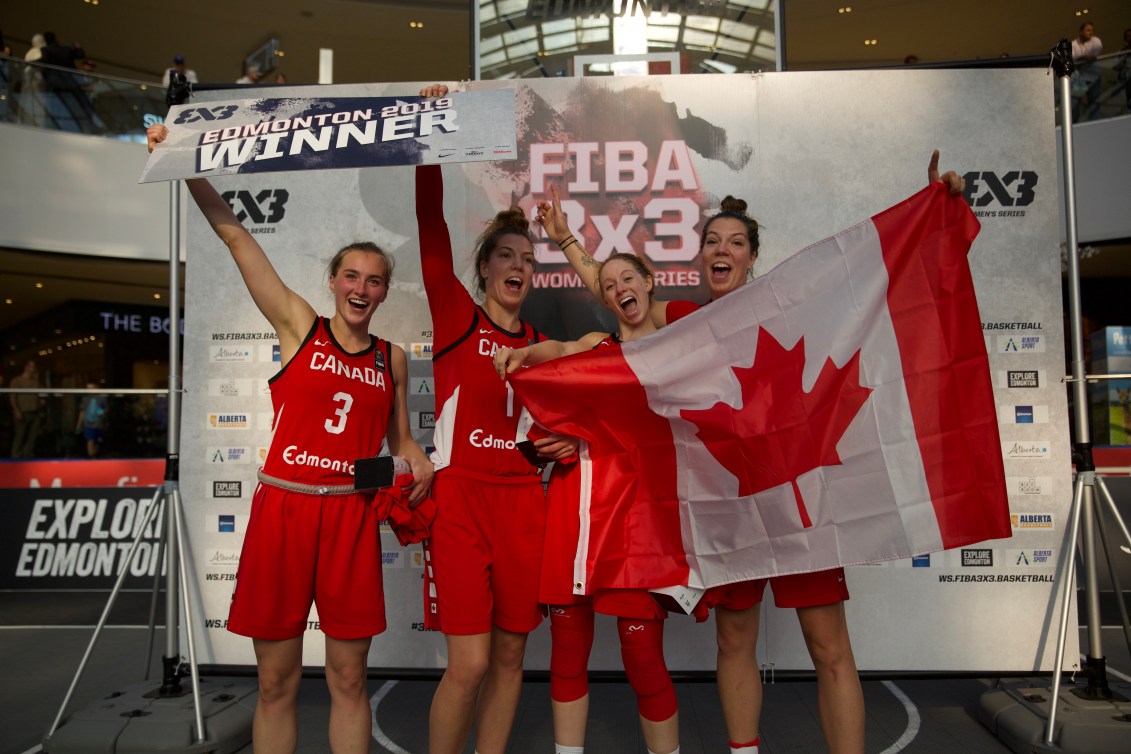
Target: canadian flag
column 836, row 410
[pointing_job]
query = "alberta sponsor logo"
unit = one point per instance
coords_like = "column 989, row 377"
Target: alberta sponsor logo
column 1023, row 414
column 1021, row 378
column 1030, row 558
column 1020, row 343
column 480, row 440
column 227, row 489
column 222, row 558
column 228, row 421
column 1031, row 521
column 420, row 351
column 391, row 558
column 229, row 354
column 295, row 456
column 422, row 386
column 921, row 561
column 1025, row 450
column 230, row 388
column 228, row 455
column 1028, row 485
column 424, row 419
column 972, row 557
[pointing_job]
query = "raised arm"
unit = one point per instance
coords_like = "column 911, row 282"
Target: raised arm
column 288, row 313
column 400, row 436
column 954, row 182
column 554, row 221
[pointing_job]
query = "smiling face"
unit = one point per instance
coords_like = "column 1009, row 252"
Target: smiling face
column 626, row 291
column 359, row 286
column 726, row 255
column 508, row 270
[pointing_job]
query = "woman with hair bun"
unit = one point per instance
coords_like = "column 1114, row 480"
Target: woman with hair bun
column 485, row 547
column 313, row 537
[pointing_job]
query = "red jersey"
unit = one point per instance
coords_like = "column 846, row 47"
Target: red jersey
column 331, row 408
column 476, row 412
column 676, row 310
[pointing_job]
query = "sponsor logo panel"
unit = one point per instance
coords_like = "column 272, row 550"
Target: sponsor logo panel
column 977, row 557
column 228, row 523
column 422, row 386
column 229, row 354
column 1020, row 343
column 420, row 351
column 1035, row 558
column 1021, row 378
column 228, row 455
column 218, row 558
column 228, row 421
column 1028, row 485
column 424, row 419
column 270, row 353
column 227, row 489
column 1023, row 414
column 1025, row 450
column 1032, row 521
column 921, row 561
column 230, row 388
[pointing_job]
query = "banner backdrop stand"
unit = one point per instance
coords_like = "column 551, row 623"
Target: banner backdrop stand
column 109, row 725
column 1017, row 715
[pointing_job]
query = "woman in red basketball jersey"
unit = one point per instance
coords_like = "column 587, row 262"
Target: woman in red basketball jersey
column 727, row 252
column 485, row 547
column 311, row 537
column 626, row 290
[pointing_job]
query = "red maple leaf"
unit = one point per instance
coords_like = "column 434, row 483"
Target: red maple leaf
column 781, row 431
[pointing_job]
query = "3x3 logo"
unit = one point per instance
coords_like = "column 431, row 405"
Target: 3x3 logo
column 267, row 206
column 1014, row 189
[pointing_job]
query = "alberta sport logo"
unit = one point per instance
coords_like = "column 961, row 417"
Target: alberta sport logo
column 263, row 209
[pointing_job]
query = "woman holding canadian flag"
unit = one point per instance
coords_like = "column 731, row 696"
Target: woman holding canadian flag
column 728, row 250
column 627, row 288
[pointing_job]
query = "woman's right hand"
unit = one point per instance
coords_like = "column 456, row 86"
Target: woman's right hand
column 507, row 360
column 156, row 134
column 436, row 90
column 552, row 218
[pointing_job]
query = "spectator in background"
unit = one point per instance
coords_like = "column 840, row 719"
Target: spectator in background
column 252, row 75
column 911, row 60
column 280, row 78
column 179, row 67
column 67, row 104
column 26, row 412
column 4, row 48
column 92, row 420
column 32, row 109
column 1086, row 48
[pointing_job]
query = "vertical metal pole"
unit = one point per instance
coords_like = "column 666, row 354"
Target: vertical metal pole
column 176, row 512
column 170, row 680
column 1068, row 571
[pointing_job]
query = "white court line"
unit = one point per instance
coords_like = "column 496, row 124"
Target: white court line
column 378, row 734
column 912, row 720
column 34, row 750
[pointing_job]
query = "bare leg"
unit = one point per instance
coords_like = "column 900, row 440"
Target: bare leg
column 740, row 684
column 274, row 727
column 453, row 705
column 501, row 689
column 351, row 721
column 661, row 737
column 839, row 696
column 570, row 721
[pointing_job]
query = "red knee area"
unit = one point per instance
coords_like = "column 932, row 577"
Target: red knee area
column 571, row 639
column 642, row 650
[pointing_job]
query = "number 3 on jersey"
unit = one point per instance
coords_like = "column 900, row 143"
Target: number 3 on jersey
column 336, row 426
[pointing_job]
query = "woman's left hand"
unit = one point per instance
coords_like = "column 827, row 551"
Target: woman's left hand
column 955, row 183
column 556, row 447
